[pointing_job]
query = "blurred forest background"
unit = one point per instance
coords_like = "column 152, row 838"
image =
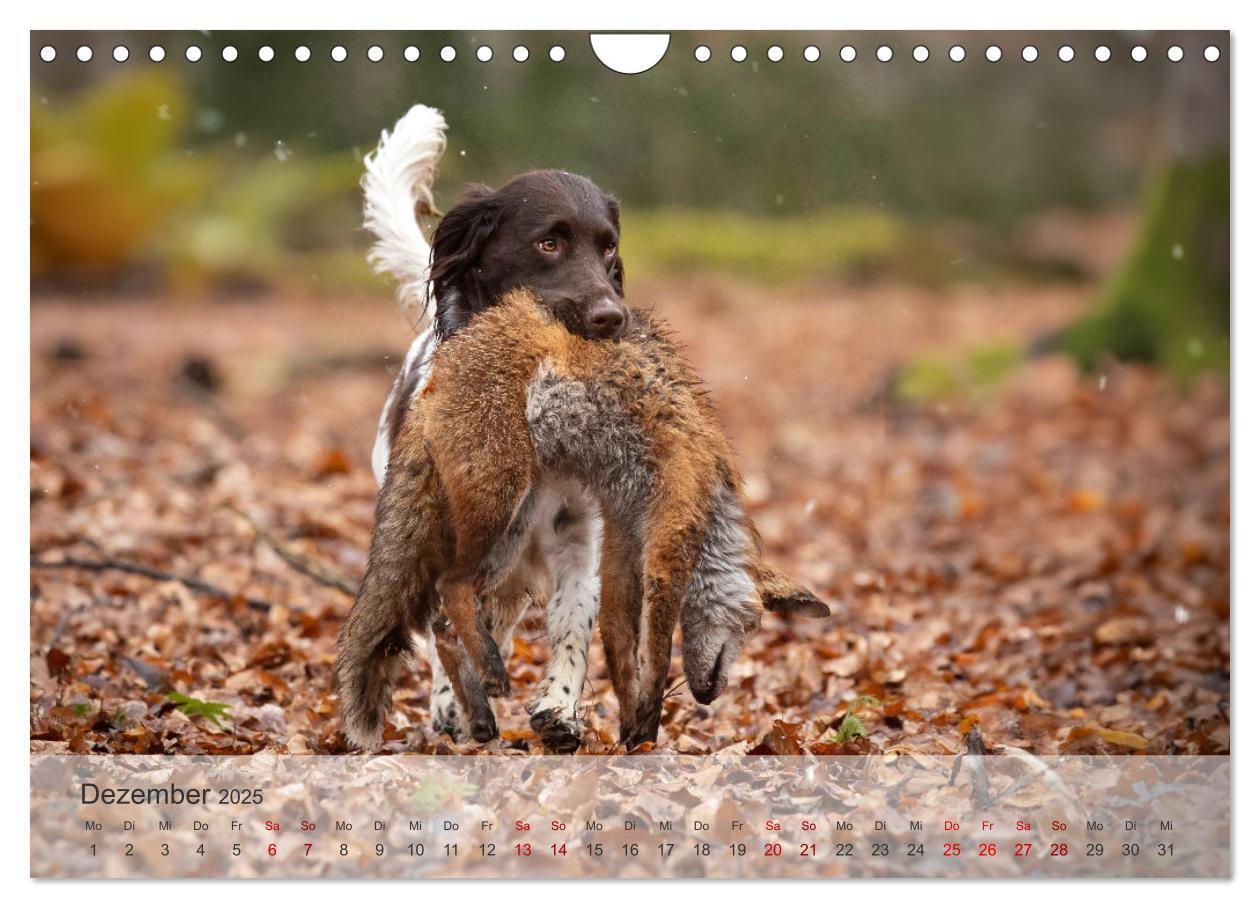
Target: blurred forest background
column 217, row 176
column 210, row 351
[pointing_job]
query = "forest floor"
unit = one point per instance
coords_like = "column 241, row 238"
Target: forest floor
column 1047, row 563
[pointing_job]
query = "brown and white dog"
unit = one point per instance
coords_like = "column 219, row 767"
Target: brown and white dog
column 557, row 235
column 554, row 235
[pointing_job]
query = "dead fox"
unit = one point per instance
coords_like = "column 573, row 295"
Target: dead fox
column 517, row 405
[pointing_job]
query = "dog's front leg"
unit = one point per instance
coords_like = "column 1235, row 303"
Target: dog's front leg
column 466, row 683
column 570, row 547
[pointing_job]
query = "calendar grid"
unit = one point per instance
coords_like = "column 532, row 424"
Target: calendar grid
column 626, row 817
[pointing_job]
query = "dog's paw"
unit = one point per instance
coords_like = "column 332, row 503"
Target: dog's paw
column 445, row 712
column 446, row 718
column 448, row 724
column 560, row 734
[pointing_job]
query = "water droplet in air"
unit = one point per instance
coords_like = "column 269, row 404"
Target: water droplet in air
column 164, row 112
column 1178, row 252
column 282, row 152
column 209, row 119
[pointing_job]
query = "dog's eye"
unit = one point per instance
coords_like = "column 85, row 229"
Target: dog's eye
column 610, row 250
column 550, row 245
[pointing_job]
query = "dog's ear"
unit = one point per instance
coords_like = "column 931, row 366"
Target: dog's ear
column 786, row 596
column 617, row 272
column 458, row 242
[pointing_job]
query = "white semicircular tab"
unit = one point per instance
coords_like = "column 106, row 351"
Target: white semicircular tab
column 630, row 54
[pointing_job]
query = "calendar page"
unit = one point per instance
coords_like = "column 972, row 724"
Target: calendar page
column 679, row 454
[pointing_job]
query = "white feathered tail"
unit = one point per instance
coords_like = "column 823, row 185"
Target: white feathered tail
column 400, row 176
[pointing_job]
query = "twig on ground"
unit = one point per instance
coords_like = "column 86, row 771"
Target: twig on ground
column 128, row 567
column 976, row 750
column 296, row 560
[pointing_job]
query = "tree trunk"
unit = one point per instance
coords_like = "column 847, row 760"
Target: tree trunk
column 1169, row 303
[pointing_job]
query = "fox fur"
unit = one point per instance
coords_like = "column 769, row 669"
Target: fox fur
column 514, row 405
column 415, row 543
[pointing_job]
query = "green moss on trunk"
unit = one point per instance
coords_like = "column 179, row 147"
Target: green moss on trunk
column 1169, row 303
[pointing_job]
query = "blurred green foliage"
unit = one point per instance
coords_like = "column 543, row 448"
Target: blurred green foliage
column 831, row 243
column 115, row 189
column 273, row 222
column 214, row 176
column 105, row 176
column 974, row 374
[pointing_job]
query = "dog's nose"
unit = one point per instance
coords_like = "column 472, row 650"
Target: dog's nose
column 605, row 319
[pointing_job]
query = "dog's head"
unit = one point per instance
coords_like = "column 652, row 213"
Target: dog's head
column 551, row 232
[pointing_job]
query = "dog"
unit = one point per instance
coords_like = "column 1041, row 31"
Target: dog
column 557, row 234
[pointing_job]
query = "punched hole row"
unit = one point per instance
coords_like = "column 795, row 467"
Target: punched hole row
column 302, row 53
column 1030, row 53
column 957, row 53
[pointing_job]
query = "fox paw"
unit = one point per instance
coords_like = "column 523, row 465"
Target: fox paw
column 644, row 728
column 495, row 682
column 483, row 729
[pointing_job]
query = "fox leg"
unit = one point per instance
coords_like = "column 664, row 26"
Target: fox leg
column 621, row 619
column 457, row 589
column 722, row 602
column 490, row 497
column 486, row 518
column 505, row 609
column 663, row 595
column 570, row 546
column 669, row 560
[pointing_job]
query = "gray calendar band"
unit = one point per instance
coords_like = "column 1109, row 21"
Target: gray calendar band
column 1015, row 815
